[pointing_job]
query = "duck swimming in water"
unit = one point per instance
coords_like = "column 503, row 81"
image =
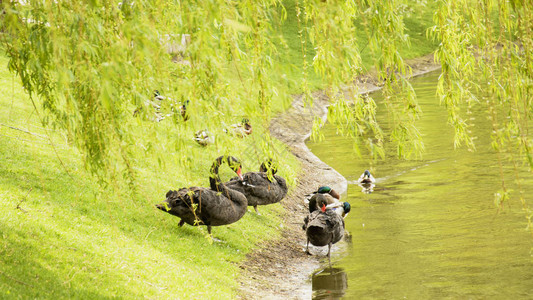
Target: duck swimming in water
column 214, row 206
column 366, row 177
column 367, row 182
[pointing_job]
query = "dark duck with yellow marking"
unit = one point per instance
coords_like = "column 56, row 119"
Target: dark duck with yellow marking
column 323, row 227
column 261, row 188
column 214, row 206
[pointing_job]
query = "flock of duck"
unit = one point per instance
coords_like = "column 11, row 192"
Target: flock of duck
column 226, row 203
column 202, row 137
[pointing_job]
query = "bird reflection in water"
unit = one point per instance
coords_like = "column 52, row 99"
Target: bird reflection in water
column 329, row 283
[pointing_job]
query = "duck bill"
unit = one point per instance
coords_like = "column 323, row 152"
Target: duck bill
column 239, row 173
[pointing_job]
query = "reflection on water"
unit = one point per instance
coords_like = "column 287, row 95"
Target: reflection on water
column 366, row 188
column 329, row 283
column 430, row 229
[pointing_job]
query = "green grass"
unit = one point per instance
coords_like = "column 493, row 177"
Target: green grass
column 63, row 236
column 71, row 239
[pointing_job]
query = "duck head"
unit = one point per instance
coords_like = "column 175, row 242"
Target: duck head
column 247, row 126
column 235, row 165
column 158, row 96
column 347, row 208
column 268, row 165
column 328, row 190
column 366, row 178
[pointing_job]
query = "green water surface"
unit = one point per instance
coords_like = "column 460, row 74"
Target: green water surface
column 430, row 229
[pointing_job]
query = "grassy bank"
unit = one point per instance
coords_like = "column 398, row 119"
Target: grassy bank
column 64, row 236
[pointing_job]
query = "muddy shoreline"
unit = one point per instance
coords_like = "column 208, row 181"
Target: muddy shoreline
column 280, row 269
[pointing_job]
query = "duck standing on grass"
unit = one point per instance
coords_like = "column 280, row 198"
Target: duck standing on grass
column 154, row 104
column 240, row 129
column 214, row 206
column 204, row 137
column 261, row 188
column 183, row 110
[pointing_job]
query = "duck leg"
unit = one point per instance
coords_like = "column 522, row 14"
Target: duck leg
column 209, row 229
column 307, row 248
column 329, row 256
column 181, row 223
column 256, row 211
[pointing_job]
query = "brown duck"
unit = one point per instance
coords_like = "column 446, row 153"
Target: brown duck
column 260, row 188
column 214, row 206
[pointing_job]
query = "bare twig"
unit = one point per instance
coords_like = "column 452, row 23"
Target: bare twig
column 16, row 280
column 50, row 139
column 25, row 131
column 23, row 199
column 25, row 140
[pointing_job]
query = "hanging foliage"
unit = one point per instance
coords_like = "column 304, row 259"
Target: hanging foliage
column 92, row 68
column 486, row 49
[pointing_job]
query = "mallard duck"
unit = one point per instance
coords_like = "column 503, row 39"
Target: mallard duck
column 366, row 178
column 155, row 103
column 203, row 137
column 260, row 188
column 323, row 227
column 158, row 96
column 214, row 206
column 240, row 129
column 324, row 193
column 341, row 208
column 183, row 110
column 366, row 182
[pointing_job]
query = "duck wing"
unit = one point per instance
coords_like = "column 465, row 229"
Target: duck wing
column 258, row 189
column 199, row 205
column 323, row 228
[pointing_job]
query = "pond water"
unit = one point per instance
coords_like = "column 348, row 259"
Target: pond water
column 430, row 229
